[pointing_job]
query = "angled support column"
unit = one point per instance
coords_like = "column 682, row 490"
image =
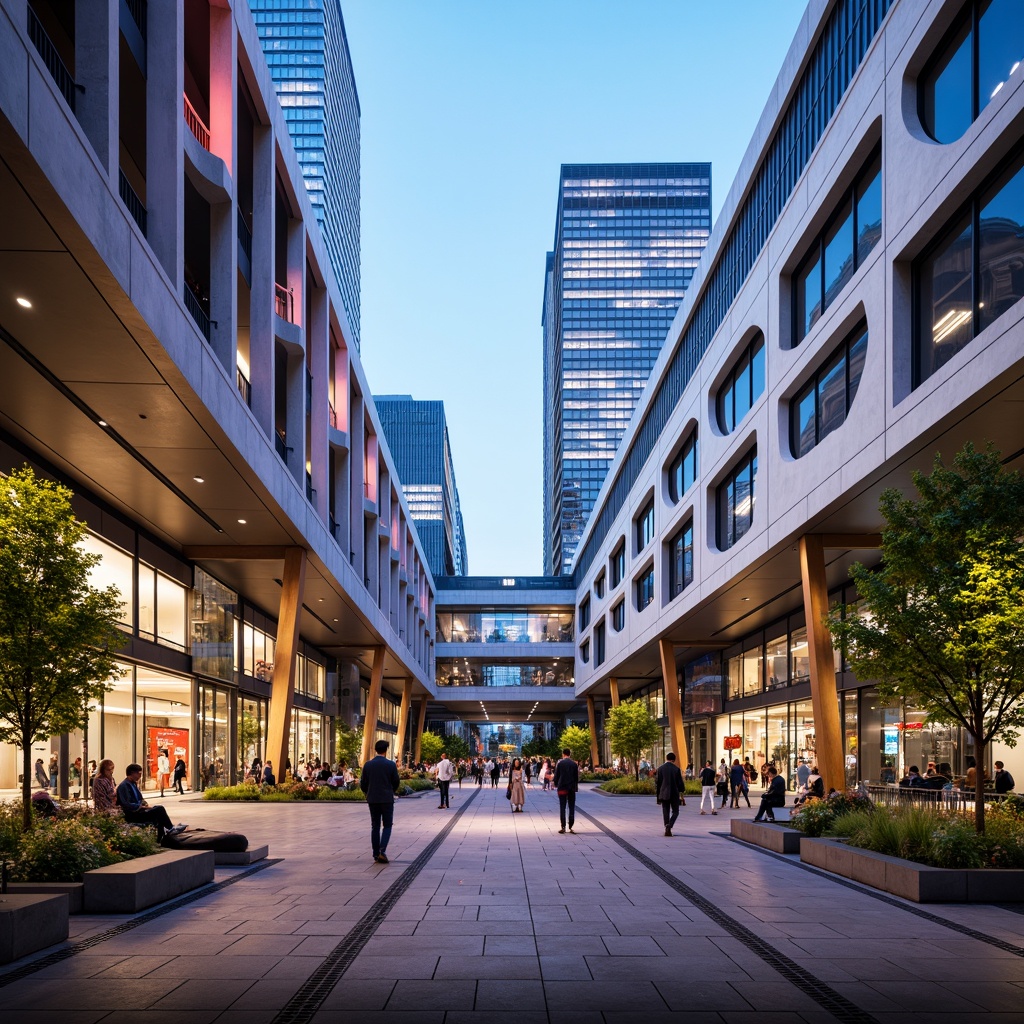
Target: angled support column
column 613, row 690
column 592, row 720
column 421, row 724
column 283, row 685
column 373, row 703
column 673, row 707
column 824, row 695
column 403, row 719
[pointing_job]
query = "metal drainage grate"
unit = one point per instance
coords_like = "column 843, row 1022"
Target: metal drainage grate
column 311, row 994
column 825, row 996
column 60, row 955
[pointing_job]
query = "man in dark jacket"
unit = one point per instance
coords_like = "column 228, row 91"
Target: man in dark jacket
column 668, row 784
column 137, row 811
column 567, row 781
column 775, row 795
column 379, row 783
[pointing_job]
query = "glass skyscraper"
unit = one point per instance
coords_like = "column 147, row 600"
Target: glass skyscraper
column 627, row 239
column 417, row 435
column 307, row 52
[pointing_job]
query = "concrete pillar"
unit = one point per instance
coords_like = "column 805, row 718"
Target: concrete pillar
column 824, row 694
column 261, row 312
column 317, row 344
column 357, row 426
column 96, row 71
column 223, row 68
column 595, row 756
column 673, row 708
column 373, row 703
column 283, row 684
column 403, row 720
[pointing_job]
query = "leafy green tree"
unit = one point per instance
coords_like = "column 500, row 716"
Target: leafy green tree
column 632, row 730
column 349, row 745
column 943, row 623
column 577, row 740
column 456, row 746
column 248, row 737
column 57, row 632
column 431, row 747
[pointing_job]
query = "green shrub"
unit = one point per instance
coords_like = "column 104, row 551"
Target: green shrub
column 245, row 791
column 129, row 840
column 813, row 818
column 956, row 844
column 628, row 785
column 61, row 851
column 1004, row 836
column 417, row 785
column 327, row 793
column 10, row 828
column 845, row 823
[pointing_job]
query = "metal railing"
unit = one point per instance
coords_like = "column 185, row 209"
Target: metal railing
column 284, row 303
column 244, row 387
column 195, row 123
column 197, row 312
column 131, row 199
column 137, row 9
column 244, row 237
column 280, row 446
column 891, row 794
column 52, row 59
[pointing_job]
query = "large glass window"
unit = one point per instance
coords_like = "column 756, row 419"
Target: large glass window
column 645, row 589
column 463, row 625
column 212, row 624
column 742, row 387
column 618, row 564
column 584, row 613
column 162, row 604
column 682, row 470
column 680, row 560
column 252, row 731
column 479, row 672
column 162, row 718
column 645, row 526
column 853, row 231
column 982, row 52
column 976, row 265
column 599, row 631
column 619, row 616
column 824, row 402
column 114, row 569
column 736, row 502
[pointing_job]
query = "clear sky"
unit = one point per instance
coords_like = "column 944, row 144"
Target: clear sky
column 469, row 107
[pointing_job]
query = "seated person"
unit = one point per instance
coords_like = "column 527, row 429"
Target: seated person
column 814, row 790
column 136, row 810
column 43, row 804
column 104, row 793
column 324, row 774
column 268, row 775
column 775, row 796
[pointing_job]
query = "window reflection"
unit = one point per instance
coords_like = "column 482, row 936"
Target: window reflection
column 477, row 672
column 504, row 626
column 113, row 570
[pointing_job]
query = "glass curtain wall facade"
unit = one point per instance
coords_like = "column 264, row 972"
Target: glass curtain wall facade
column 417, row 435
column 307, row 52
column 627, row 239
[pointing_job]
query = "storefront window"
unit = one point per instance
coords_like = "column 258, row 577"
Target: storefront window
column 252, row 731
column 800, row 661
column 780, row 745
column 114, row 570
column 702, row 686
column 777, row 660
column 162, row 716
column 213, row 719
column 212, row 627
column 803, row 731
column 161, row 608
column 850, row 738
column 306, row 741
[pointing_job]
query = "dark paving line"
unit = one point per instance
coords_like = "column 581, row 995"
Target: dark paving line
column 824, row 995
column 893, row 901
column 317, row 987
column 60, row 955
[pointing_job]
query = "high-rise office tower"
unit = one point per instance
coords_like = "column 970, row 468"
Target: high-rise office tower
column 307, row 51
column 627, row 239
column 417, row 434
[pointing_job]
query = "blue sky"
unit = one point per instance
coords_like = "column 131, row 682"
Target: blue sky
column 468, row 109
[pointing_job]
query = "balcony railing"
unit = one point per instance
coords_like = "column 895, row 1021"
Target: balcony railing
column 279, row 445
column 137, row 9
column 332, row 416
column 284, row 303
column 51, row 58
column 197, row 312
column 244, row 237
column 130, row 199
column 195, row 123
column 244, row 387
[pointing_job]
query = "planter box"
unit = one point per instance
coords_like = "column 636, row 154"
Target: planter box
column 136, row 884
column 776, row 838
column 73, row 891
column 916, row 882
column 31, row 922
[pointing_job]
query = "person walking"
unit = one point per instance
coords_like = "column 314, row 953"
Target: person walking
column 1003, row 780
column 567, row 781
column 180, row 771
column 738, row 782
column 380, row 782
column 495, row 773
column 707, row 788
column 163, row 769
column 668, row 784
column 517, row 785
column 42, row 776
column 774, row 796
column 722, row 781
column 444, row 772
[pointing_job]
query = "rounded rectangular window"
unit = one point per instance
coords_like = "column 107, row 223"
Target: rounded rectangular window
column 735, row 502
column 743, row 386
column 682, row 471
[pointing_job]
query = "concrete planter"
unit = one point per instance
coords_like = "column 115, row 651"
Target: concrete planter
column 73, row 891
column 916, row 882
column 29, row 922
column 133, row 885
column 776, row 838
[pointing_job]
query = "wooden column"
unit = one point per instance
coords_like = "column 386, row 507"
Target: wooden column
column 373, row 703
column 613, row 689
column 824, row 695
column 403, row 719
column 592, row 718
column 283, row 685
column 421, row 724
column 673, row 708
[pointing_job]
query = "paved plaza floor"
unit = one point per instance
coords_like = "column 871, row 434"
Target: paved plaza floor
column 488, row 916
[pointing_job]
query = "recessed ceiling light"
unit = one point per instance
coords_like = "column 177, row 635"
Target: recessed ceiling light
column 199, row 479
column 102, row 423
column 241, row 522
column 335, row 620
column 744, row 598
column 23, row 302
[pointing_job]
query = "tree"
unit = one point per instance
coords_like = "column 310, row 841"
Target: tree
column 578, row 742
column 248, row 737
column 456, row 746
column 943, row 623
column 431, row 747
column 57, row 632
column 632, row 730
column 349, row 745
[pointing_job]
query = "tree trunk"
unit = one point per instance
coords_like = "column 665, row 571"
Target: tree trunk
column 979, row 786
column 26, row 784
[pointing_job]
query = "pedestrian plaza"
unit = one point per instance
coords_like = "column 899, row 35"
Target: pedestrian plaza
column 487, row 916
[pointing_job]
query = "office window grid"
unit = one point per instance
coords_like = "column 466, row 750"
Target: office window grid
column 645, row 589
column 645, row 526
column 735, row 502
column 742, row 387
column 682, row 470
column 680, row 560
column 844, row 41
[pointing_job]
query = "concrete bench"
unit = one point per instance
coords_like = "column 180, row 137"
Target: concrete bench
column 133, row 885
column 776, row 838
column 73, row 891
column 30, row 922
column 250, row 856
